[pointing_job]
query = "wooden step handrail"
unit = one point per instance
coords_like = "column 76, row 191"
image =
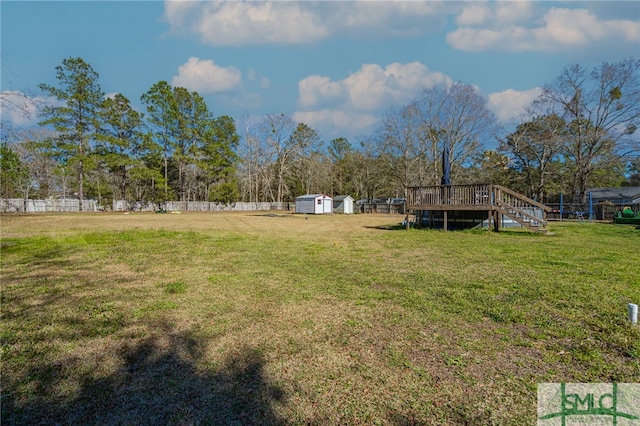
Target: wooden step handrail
column 521, row 197
column 531, row 218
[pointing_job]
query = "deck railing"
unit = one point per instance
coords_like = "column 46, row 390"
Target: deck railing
column 475, row 196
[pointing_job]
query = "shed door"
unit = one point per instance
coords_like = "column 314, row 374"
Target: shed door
column 348, row 206
column 327, row 205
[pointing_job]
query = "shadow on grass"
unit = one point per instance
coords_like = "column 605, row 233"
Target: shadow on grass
column 402, row 227
column 398, row 227
column 515, row 232
column 157, row 383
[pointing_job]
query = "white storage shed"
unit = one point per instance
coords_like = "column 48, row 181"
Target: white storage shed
column 314, row 204
column 343, row 204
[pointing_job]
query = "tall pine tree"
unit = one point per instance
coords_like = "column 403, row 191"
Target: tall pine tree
column 76, row 119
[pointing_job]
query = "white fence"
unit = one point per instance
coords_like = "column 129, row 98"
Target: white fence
column 19, row 205
column 200, row 206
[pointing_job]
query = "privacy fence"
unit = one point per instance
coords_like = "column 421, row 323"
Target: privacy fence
column 201, row 206
column 19, row 205
column 382, row 207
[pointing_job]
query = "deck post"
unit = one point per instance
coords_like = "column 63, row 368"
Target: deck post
column 446, row 228
column 497, row 211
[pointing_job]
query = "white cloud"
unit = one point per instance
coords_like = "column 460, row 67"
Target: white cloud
column 22, row 110
column 205, row 76
column 316, row 89
column 511, row 12
column 580, row 27
column 502, row 26
column 181, row 15
column 499, row 12
column 493, row 25
column 393, row 18
column 371, row 87
column 510, row 104
column 475, row 14
column 239, row 23
column 353, row 103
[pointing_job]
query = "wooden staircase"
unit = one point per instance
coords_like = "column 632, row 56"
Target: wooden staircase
column 527, row 212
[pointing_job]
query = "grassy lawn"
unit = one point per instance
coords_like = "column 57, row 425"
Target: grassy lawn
column 246, row 318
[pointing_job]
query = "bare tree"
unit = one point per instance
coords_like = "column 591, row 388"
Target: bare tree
column 253, row 176
column 277, row 129
column 455, row 117
column 43, row 169
column 602, row 112
column 16, row 107
column 369, row 173
column 308, row 160
column 402, row 145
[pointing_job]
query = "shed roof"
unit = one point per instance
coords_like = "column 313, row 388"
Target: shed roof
column 311, row 196
column 342, row 197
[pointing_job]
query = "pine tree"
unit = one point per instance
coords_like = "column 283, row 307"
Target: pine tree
column 77, row 119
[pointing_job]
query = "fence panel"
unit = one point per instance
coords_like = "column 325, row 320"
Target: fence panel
column 50, row 205
column 201, row 206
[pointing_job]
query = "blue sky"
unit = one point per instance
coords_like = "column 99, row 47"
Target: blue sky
column 336, row 66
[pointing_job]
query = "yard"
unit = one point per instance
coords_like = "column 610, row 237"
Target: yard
column 251, row 318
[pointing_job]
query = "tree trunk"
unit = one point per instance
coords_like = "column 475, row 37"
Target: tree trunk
column 80, row 184
column 583, row 188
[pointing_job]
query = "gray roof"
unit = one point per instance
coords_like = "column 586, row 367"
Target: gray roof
column 311, row 196
column 342, row 197
column 624, row 192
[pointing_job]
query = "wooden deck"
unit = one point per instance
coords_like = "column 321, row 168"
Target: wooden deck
column 496, row 200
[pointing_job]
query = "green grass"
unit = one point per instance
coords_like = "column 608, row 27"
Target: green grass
column 234, row 319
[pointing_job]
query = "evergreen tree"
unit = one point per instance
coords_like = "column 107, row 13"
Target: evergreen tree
column 161, row 118
column 120, row 142
column 12, row 172
column 218, row 160
column 77, row 119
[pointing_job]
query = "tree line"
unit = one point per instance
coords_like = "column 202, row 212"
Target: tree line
column 579, row 133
